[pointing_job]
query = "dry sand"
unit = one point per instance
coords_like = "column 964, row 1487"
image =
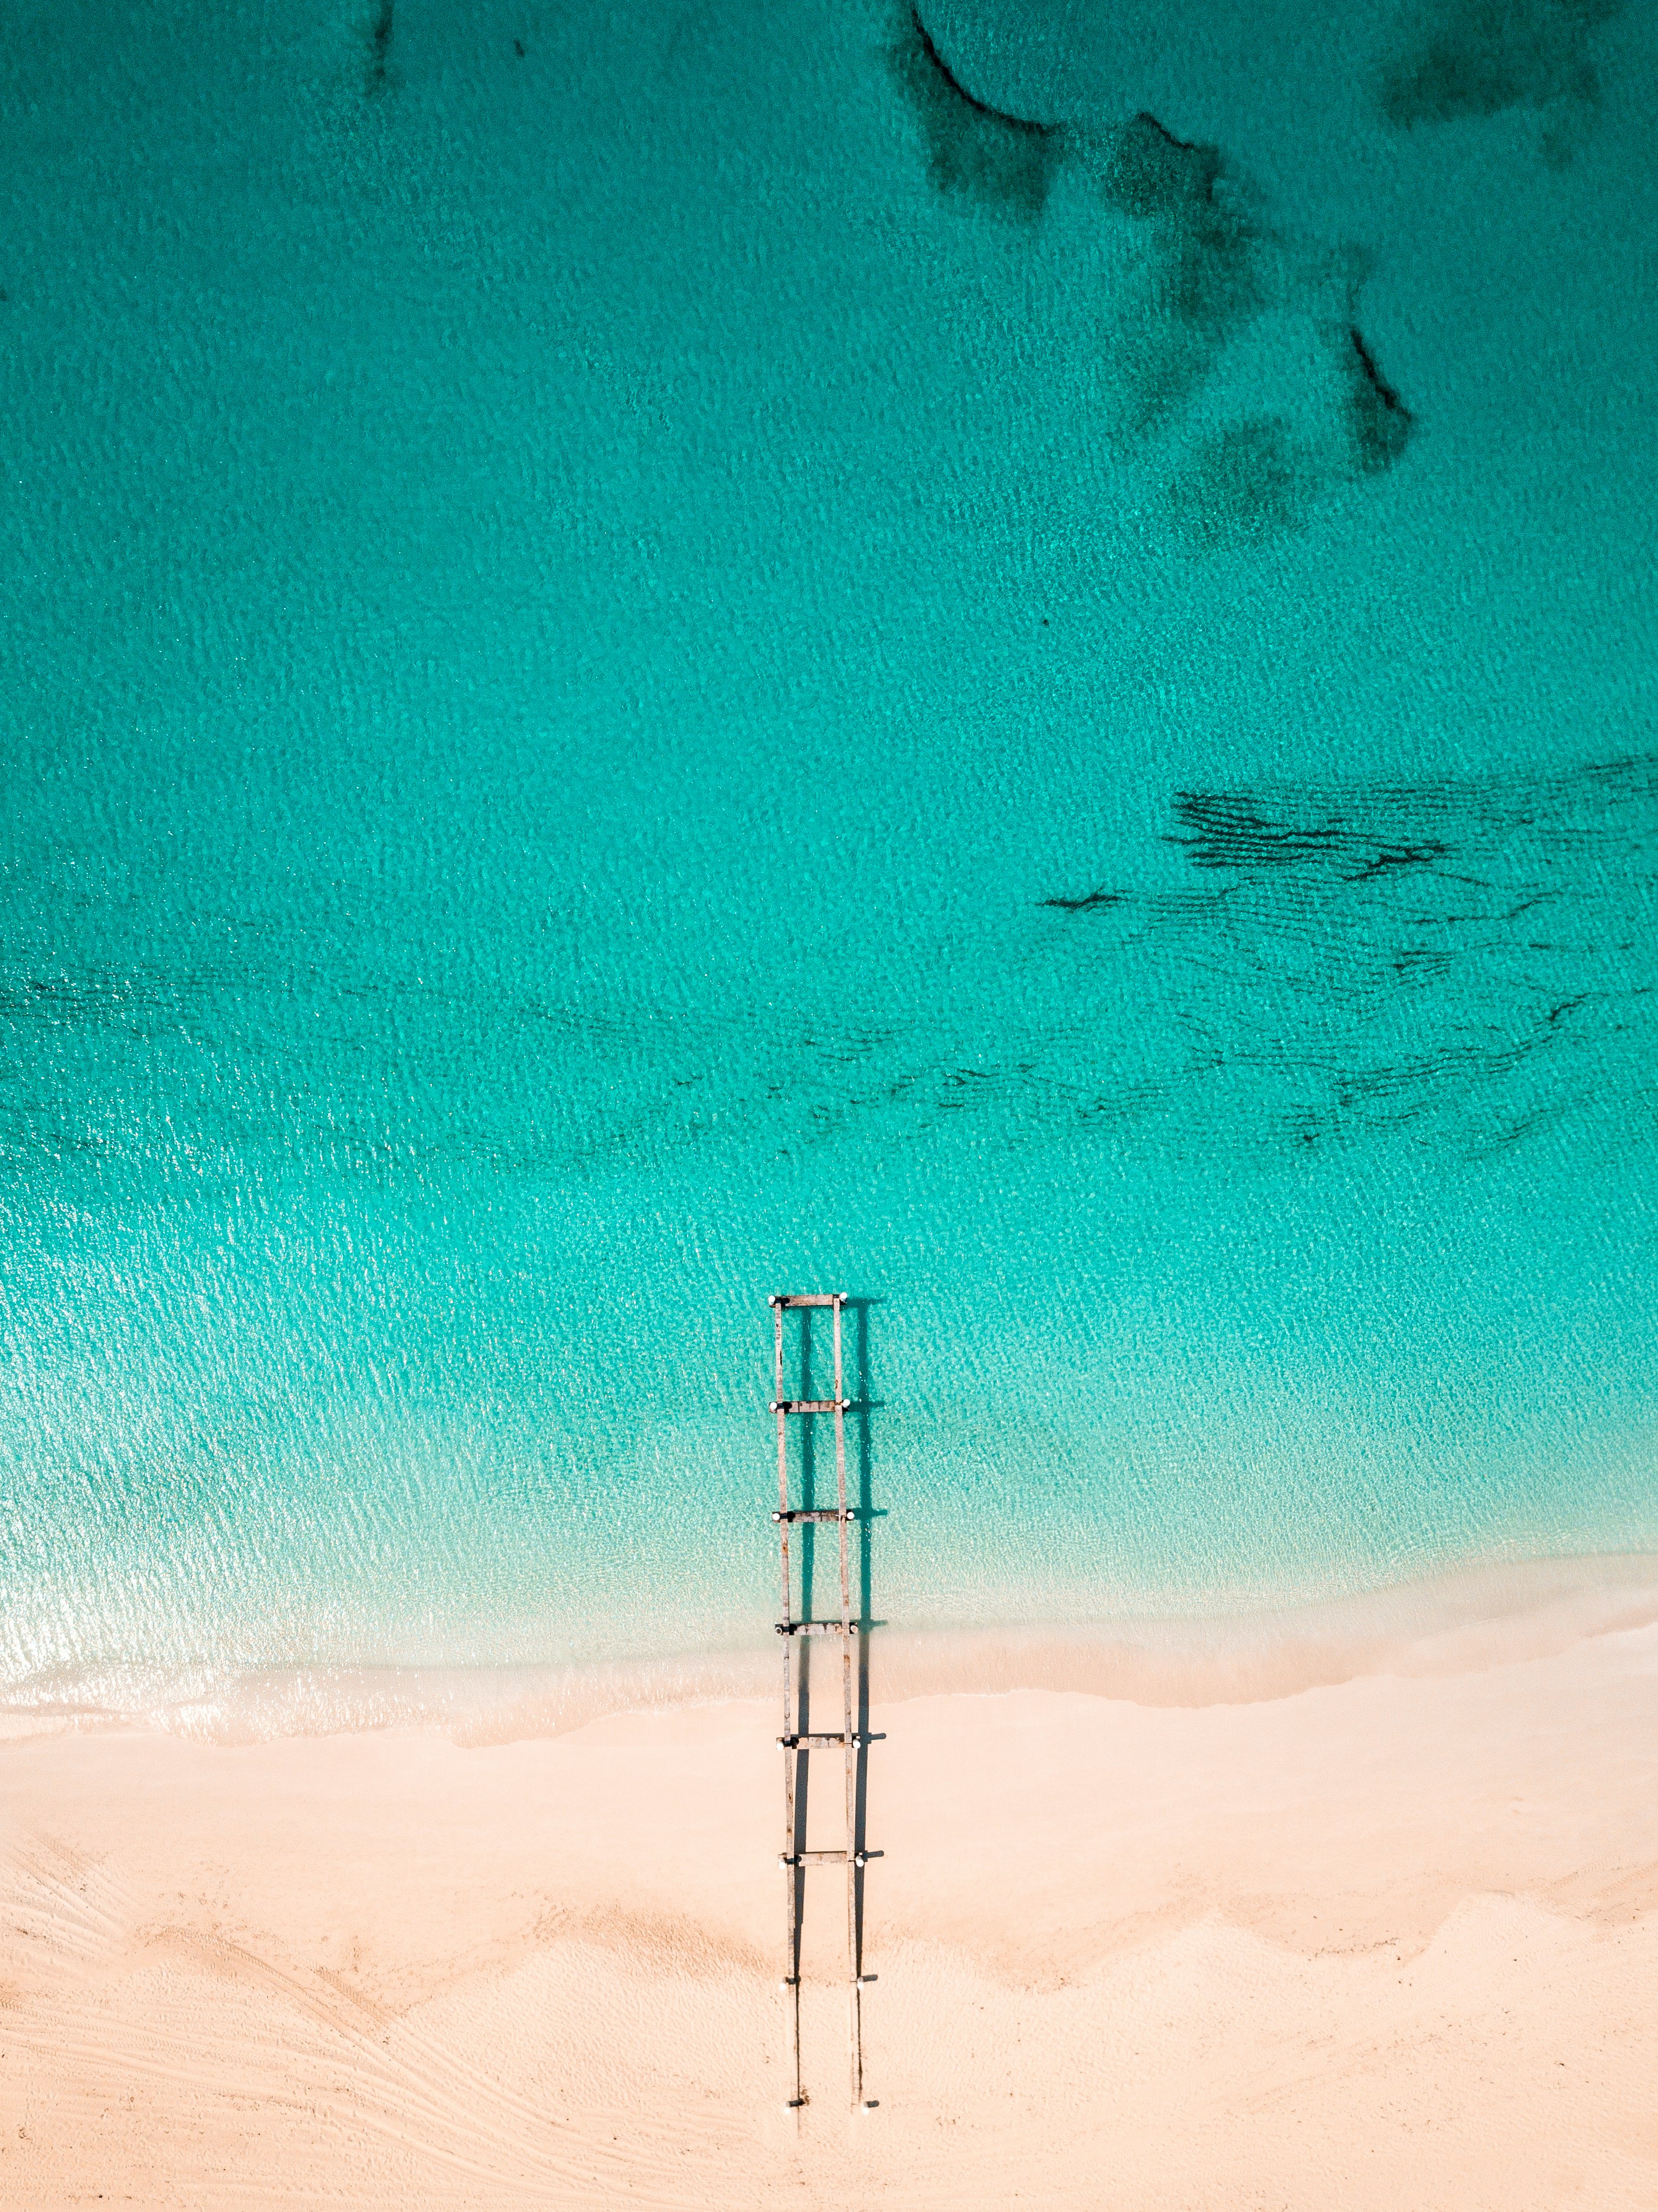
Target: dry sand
column 1389, row 1943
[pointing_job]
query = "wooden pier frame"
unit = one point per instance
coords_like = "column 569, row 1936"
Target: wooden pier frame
column 797, row 1745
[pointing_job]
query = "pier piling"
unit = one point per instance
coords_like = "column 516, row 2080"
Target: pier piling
column 798, row 1745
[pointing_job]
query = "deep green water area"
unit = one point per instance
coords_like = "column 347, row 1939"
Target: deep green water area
column 1002, row 660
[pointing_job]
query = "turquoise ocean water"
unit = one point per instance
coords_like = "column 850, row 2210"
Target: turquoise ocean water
column 654, row 654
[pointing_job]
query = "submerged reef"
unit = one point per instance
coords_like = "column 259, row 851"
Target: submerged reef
column 1148, row 172
column 379, row 44
column 1215, row 278
column 1005, row 161
column 1226, row 829
column 1257, row 478
column 1245, row 480
column 1472, row 58
column 1202, row 285
column 1457, row 955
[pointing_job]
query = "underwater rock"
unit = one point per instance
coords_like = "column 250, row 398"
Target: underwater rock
column 1088, row 903
column 1380, row 421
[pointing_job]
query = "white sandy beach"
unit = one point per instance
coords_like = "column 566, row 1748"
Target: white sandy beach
column 1391, row 1942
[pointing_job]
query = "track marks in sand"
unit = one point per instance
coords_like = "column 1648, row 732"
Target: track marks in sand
column 1181, row 2068
column 487, row 2095
column 62, row 1915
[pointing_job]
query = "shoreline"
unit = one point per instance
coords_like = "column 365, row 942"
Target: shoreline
column 1484, row 1615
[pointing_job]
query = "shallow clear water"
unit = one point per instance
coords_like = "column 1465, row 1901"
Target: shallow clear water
column 676, row 664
